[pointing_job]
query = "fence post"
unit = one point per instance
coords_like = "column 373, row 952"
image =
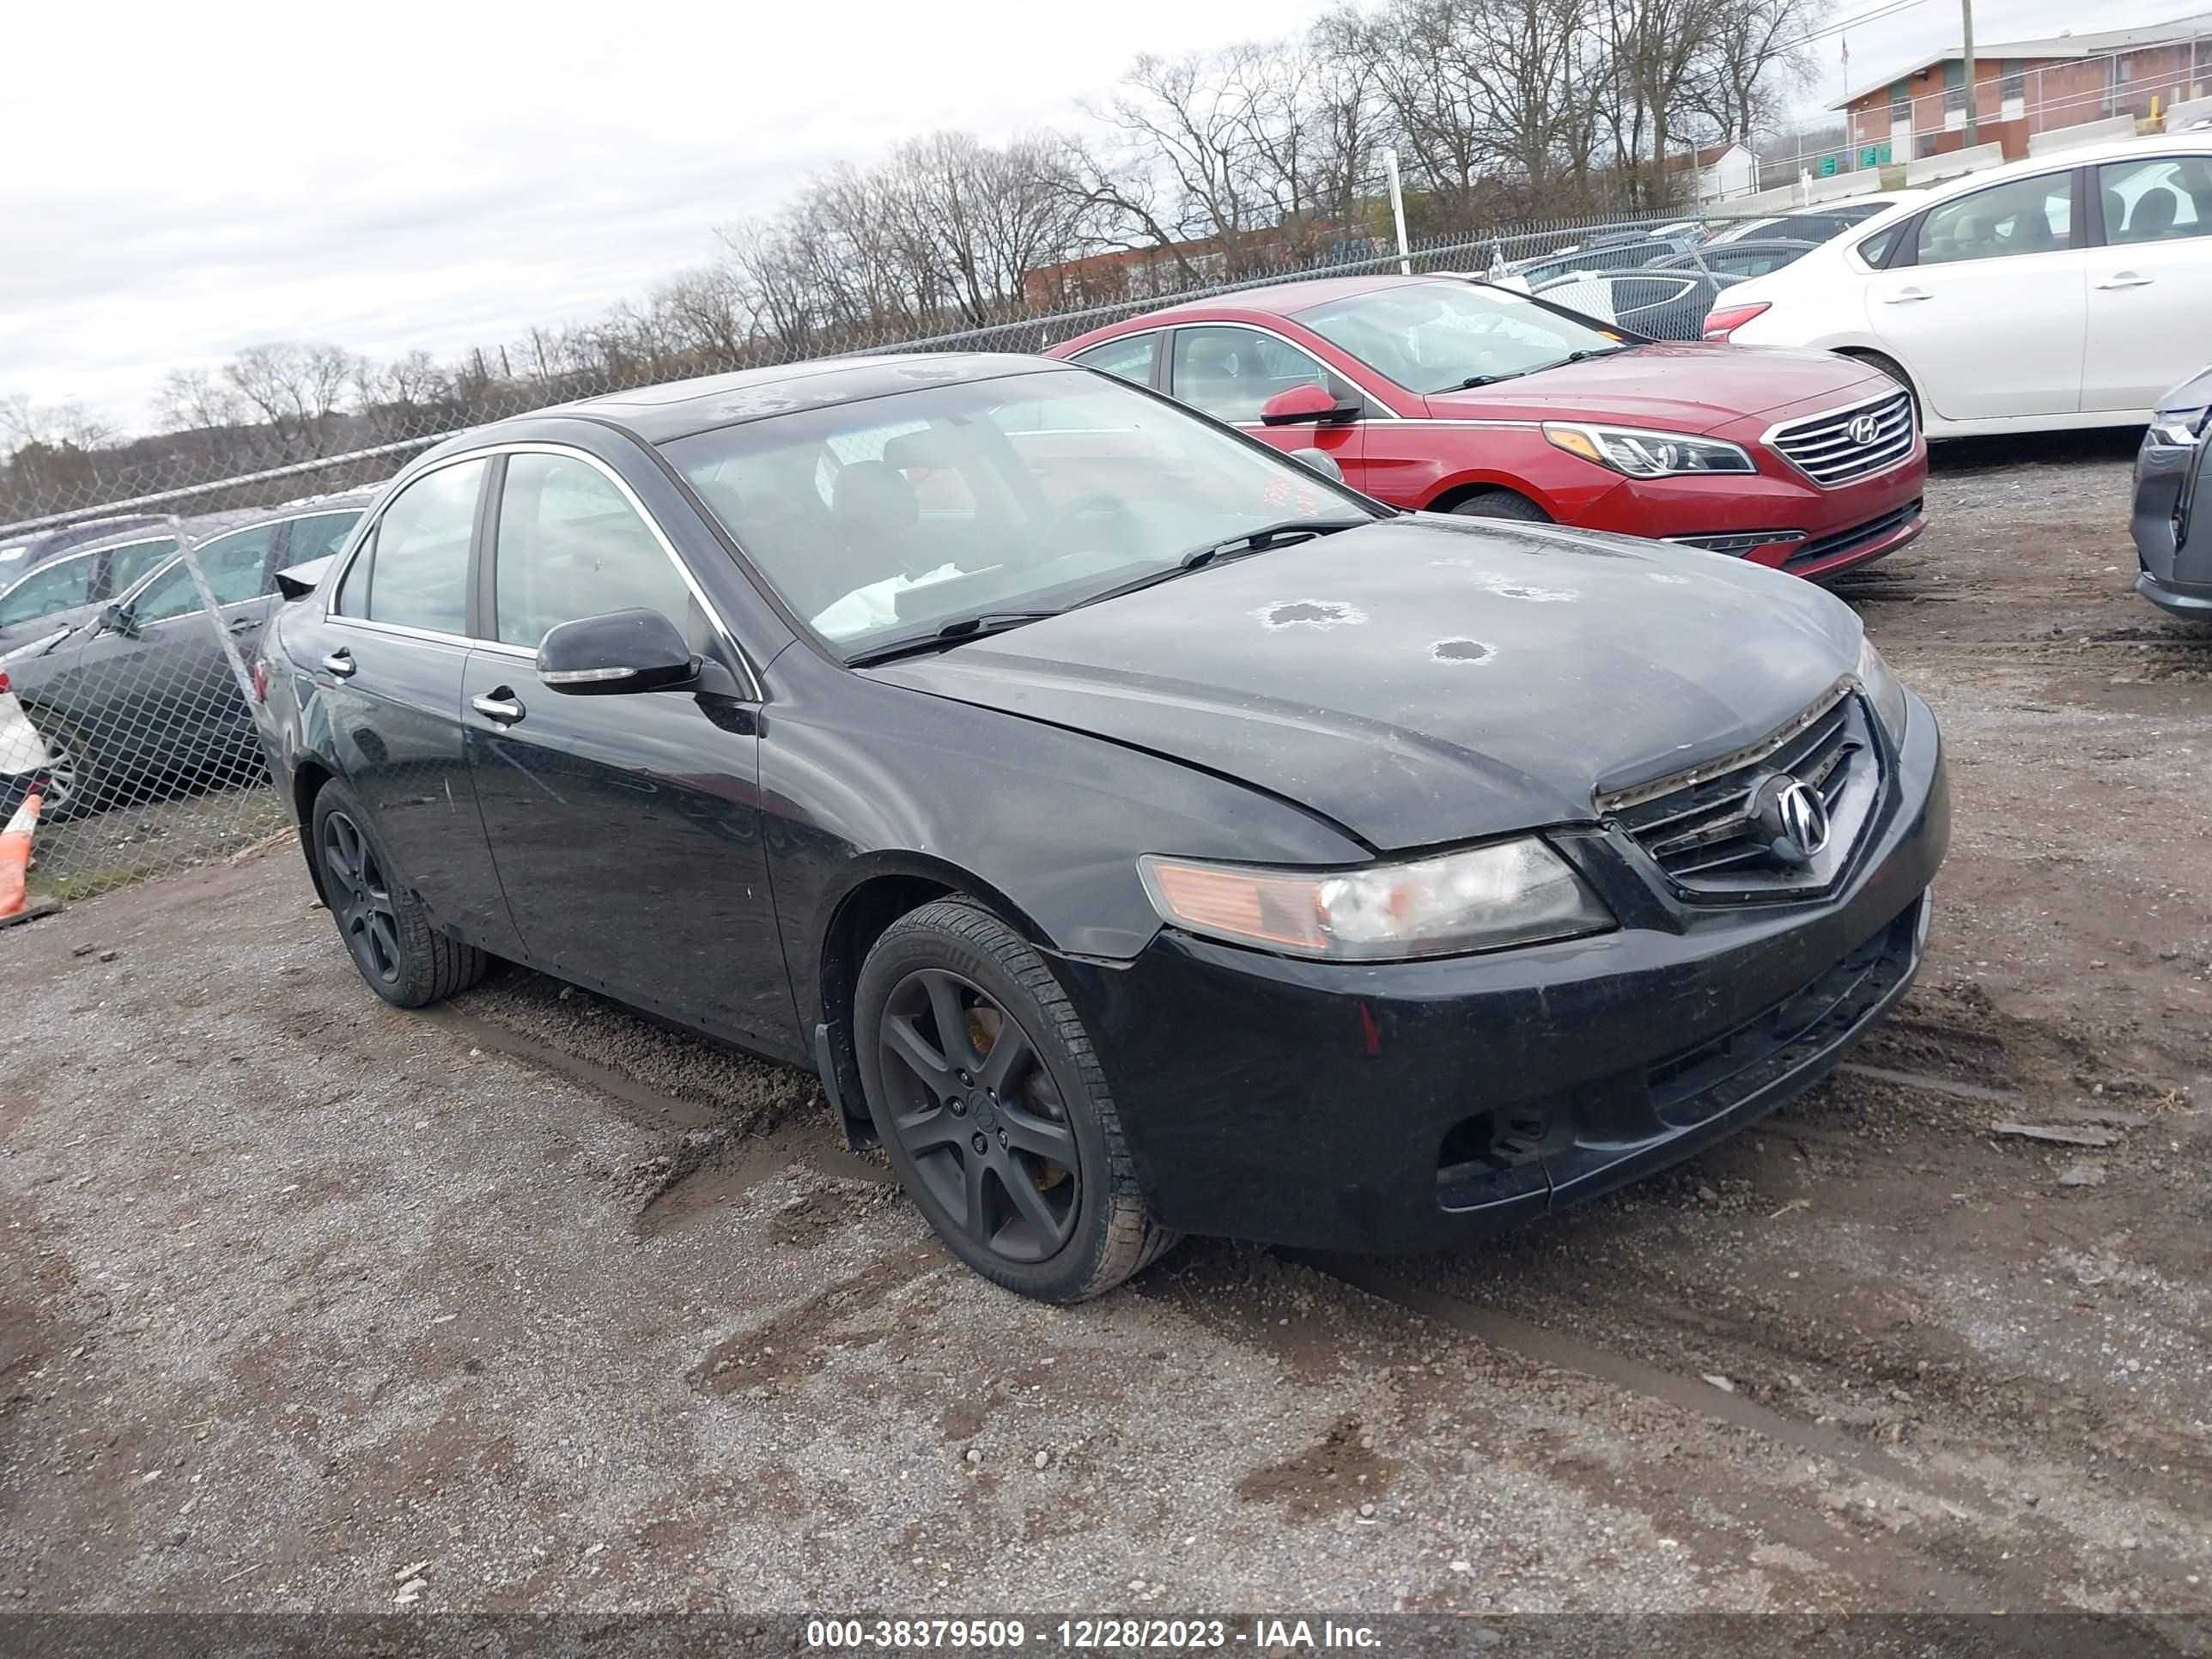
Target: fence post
column 1398, row 212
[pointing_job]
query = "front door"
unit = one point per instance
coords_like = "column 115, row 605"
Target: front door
column 158, row 696
column 1989, row 317
column 1230, row 371
column 626, row 829
column 2150, row 319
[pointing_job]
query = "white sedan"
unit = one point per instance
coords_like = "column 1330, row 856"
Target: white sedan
column 2066, row 290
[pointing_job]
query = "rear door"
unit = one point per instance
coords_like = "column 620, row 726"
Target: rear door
column 2149, row 282
column 1986, row 308
column 388, row 661
column 625, row 829
column 1230, row 370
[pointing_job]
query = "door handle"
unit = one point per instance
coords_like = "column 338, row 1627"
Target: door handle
column 340, row 663
column 2127, row 279
column 501, row 707
column 1906, row 297
column 244, row 624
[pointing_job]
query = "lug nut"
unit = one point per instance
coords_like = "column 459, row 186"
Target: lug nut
column 981, row 1145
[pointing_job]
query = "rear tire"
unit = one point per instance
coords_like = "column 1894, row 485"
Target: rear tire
column 936, row 1098
column 78, row 786
column 1501, row 504
column 405, row 960
column 1895, row 370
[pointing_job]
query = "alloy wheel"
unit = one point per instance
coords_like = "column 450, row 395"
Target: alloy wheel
column 362, row 897
column 61, row 774
column 975, row 1107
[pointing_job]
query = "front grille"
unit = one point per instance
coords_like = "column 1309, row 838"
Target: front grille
column 1825, row 448
column 1702, row 827
column 1858, row 536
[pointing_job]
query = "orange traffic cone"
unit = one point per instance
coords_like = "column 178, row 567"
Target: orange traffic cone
column 16, row 862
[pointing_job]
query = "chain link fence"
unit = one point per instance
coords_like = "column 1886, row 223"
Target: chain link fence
column 135, row 581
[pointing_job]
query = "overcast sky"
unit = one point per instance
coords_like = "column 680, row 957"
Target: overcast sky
column 179, row 182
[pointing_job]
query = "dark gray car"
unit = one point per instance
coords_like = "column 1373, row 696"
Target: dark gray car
column 142, row 690
column 2172, row 529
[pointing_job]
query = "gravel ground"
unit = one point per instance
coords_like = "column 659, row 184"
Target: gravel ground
column 304, row 1300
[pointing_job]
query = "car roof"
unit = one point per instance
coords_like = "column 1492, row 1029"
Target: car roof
column 1910, row 201
column 677, row 409
column 1288, row 299
column 202, row 525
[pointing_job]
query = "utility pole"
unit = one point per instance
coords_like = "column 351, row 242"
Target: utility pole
column 1966, row 28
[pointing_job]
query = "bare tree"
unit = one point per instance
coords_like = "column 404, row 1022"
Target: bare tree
column 296, row 390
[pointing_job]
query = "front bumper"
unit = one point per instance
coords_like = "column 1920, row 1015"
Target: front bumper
column 2173, row 533
column 1420, row 1105
column 1779, row 517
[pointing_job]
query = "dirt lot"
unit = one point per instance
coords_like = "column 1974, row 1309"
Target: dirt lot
column 303, row 1300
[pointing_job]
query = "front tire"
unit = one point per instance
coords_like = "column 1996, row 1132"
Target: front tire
column 405, row 960
column 992, row 1105
column 1501, row 504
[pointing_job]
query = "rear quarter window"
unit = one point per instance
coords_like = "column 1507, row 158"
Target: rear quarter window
column 1876, row 249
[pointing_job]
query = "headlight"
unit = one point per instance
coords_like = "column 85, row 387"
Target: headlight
column 1883, row 689
column 1513, row 892
column 1647, row 454
column 2179, row 429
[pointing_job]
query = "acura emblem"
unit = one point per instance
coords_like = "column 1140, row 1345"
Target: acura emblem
column 1791, row 818
column 1863, row 429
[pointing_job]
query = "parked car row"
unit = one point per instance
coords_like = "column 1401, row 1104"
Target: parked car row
column 111, row 656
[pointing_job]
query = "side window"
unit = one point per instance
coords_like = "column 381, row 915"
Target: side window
column 1877, row 248
column 234, row 566
column 1230, row 372
column 419, row 577
column 571, row 545
column 1130, row 357
column 2027, row 215
column 62, row 584
column 2164, row 199
column 127, row 566
column 312, row 538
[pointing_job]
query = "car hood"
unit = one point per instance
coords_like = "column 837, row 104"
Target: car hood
column 1670, row 387
column 1427, row 679
column 47, row 631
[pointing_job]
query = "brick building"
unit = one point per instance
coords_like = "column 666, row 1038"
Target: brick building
column 2022, row 87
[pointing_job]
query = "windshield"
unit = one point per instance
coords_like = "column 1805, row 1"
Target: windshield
column 1437, row 337
column 876, row 520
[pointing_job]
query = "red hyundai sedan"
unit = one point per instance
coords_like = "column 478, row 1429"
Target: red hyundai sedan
column 1455, row 396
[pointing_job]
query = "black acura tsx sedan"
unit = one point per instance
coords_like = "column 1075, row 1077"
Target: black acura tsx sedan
column 1138, row 832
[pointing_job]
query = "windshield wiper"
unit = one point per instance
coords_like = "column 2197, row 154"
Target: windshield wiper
column 1258, row 541
column 1249, row 541
column 1475, row 381
column 1581, row 357
column 945, row 636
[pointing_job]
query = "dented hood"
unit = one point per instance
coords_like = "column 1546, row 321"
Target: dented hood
column 1427, row 679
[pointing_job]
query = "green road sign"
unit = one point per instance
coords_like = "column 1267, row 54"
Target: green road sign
column 1827, row 166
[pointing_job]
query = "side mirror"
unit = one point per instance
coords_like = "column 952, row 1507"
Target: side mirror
column 1321, row 461
column 1303, row 404
column 116, row 619
column 634, row 650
